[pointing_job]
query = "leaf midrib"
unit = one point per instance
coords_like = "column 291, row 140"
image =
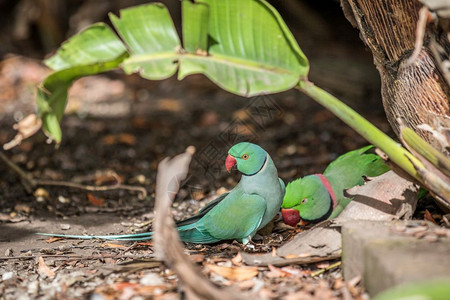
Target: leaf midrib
column 222, row 59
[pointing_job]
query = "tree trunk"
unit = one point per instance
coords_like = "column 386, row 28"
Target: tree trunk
column 412, row 94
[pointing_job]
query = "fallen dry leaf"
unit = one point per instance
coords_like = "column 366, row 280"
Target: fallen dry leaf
column 123, row 138
column 237, row 260
column 241, row 114
column 111, row 245
column 274, row 252
column 292, row 271
column 53, row 239
column 126, row 138
column 275, row 272
column 266, row 293
column 169, row 105
column 127, row 290
column 207, row 119
column 12, row 218
column 299, row 295
column 22, row 208
column 145, row 244
column 234, row 273
column 44, row 269
column 323, row 265
column 338, row 284
column 197, row 258
column 247, row 284
column 301, row 255
column 96, row 201
column 429, row 217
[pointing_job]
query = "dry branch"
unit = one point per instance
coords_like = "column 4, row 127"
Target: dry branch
column 31, row 183
column 166, row 240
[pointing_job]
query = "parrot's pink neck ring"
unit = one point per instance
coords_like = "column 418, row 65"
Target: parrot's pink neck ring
column 329, row 188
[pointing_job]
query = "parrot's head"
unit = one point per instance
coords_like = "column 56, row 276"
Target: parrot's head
column 249, row 158
column 306, row 200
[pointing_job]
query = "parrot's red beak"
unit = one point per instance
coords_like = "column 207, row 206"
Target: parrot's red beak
column 230, row 162
column 290, row 216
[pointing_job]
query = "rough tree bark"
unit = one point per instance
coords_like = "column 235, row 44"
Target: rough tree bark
column 414, row 93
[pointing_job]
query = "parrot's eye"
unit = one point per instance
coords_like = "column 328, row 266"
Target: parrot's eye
column 244, row 157
column 304, row 200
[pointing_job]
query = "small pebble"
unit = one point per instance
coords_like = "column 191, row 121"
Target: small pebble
column 442, row 232
column 400, row 228
column 33, row 287
column 65, row 226
column 151, row 279
column 47, row 251
column 7, row 276
column 415, row 230
column 431, row 238
column 419, row 234
column 9, row 252
column 63, row 199
column 65, row 248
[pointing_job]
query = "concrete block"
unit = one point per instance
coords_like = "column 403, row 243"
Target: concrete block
column 386, row 254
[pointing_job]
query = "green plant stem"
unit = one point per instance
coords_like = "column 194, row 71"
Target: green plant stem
column 413, row 141
column 396, row 153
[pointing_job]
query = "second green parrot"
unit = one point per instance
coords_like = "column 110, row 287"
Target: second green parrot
column 318, row 197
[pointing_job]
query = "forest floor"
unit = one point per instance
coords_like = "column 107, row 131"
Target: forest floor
column 118, row 128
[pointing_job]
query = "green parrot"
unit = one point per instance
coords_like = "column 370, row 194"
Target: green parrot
column 238, row 214
column 318, row 197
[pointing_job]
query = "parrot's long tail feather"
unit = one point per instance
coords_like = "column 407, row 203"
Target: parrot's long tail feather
column 124, row 237
column 188, row 233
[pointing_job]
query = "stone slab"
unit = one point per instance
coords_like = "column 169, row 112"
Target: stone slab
column 386, row 254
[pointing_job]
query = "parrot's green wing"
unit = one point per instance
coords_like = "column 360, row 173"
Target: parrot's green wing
column 348, row 171
column 350, row 168
column 202, row 211
column 236, row 217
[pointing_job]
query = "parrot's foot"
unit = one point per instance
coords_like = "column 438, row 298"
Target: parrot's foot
column 246, row 240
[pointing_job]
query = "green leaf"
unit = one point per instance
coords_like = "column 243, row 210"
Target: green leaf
column 419, row 145
column 96, row 44
column 195, row 27
column 250, row 51
column 151, row 38
column 95, row 49
column 431, row 289
column 242, row 45
column 51, row 98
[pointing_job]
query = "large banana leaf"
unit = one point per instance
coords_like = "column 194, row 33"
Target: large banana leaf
column 250, row 50
column 151, row 38
column 242, row 45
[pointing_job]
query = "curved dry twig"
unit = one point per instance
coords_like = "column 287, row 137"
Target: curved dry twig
column 166, row 240
column 31, row 183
